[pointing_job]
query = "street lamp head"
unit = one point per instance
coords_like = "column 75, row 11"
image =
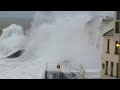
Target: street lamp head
column 58, row 66
column 118, row 45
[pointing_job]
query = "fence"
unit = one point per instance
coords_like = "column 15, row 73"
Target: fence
column 78, row 70
column 81, row 75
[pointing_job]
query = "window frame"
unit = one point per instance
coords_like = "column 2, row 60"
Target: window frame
column 117, row 26
column 118, row 15
column 108, row 46
column 112, row 69
column 117, row 70
column 106, row 68
column 116, row 48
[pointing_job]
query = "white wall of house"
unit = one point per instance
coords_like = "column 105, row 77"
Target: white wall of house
column 110, row 57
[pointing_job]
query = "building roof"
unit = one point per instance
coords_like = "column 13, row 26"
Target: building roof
column 109, row 33
column 108, row 19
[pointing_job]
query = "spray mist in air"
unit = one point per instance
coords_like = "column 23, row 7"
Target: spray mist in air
column 59, row 36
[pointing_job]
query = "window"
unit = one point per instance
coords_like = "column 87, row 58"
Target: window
column 106, row 70
column 116, row 48
column 103, row 65
column 117, row 70
column 117, row 27
column 111, row 72
column 117, row 24
column 118, row 15
column 108, row 45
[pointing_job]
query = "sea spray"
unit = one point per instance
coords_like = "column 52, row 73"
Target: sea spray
column 62, row 37
column 12, row 39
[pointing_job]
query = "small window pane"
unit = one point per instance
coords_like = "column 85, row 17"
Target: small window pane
column 111, row 69
column 116, row 48
column 117, row 70
column 108, row 45
column 106, row 70
column 117, row 28
column 118, row 15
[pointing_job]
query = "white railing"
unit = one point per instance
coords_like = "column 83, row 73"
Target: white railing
column 70, row 68
column 81, row 75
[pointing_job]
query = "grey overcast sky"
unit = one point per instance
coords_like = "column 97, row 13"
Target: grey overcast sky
column 16, row 13
column 31, row 13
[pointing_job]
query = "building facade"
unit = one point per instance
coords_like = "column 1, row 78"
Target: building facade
column 110, row 68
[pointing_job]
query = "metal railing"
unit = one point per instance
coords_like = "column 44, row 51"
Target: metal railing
column 81, row 75
column 70, row 68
